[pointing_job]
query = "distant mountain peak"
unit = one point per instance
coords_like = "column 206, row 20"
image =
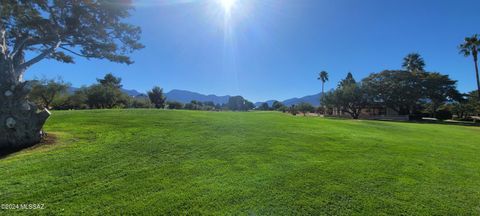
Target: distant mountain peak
column 184, row 96
column 311, row 99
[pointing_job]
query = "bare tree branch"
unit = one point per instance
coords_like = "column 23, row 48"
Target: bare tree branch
column 38, row 58
column 75, row 53
column 3, row 42
column 19, row 47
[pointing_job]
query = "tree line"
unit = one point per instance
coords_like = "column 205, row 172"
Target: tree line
column 410, row 91
column 107, row 94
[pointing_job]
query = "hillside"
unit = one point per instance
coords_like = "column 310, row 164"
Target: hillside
column 187, row 96
column 112, row 162
column 311, row 99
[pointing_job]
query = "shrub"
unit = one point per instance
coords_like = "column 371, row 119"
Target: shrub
column 293, row 110
column 443, row 114
column 305, row 108
column 174, row 105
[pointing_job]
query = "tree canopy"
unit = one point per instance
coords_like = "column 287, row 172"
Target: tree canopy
column 238, row 103
column 398, row 90
column 157, row 97
column 45, row 91
column 323, row 76
column 349, row 97
column 60, row 30
column 348, row 80
column 264, row 106
column 111, row 80
column 305, row 108
column 277, row 105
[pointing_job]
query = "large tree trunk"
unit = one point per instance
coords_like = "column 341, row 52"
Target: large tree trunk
column 20, row 120
column 475, row 58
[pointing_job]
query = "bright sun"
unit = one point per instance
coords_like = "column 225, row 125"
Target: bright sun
column 228, row 5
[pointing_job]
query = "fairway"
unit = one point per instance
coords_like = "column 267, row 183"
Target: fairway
column 259, row 163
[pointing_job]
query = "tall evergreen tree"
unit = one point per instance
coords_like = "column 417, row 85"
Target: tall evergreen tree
column 156, row 97
column 347, row 81
column 111, row 80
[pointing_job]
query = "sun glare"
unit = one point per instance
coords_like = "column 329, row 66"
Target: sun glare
column 228, row 5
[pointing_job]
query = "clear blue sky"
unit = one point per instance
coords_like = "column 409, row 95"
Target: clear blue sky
column 274, row 49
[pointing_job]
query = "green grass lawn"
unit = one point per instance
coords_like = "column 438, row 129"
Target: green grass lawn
column 260, row 163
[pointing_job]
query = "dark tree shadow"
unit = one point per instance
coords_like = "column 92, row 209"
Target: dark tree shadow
column 439, row 122
column 49, row 139
column 472, row 124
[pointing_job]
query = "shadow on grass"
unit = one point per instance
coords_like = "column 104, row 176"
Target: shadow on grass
column 457, row 123
column 471, row 124
column 47, row 140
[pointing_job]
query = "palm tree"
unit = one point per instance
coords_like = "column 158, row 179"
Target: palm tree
column 471, row 46
column 323, row 76
column 413, row 62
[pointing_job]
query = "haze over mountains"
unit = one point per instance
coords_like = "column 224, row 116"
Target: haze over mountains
column 184, row 96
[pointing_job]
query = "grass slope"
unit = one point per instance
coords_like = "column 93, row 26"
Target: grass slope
column 182, row 162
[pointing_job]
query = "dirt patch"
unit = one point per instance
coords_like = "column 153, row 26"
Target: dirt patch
column 49, row 139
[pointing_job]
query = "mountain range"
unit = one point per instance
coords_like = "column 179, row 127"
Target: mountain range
column 184, row 96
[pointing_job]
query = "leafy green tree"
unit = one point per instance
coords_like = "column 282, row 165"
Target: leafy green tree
column 190, row 106
column 330, row 101
column 277, row 105
column 474, row 99
column 348, row 80
column 31, row 31
column 238, row 103
column 462, row 109
column 413, row 63
column 283, row 109
column 397, row 90
column 45, row 91
column 105, row 97
column 438, row 89
column 349, row 97
column 140, row 102
column 197, row 105
column 78, row 100
column 443, row 114
column 305, row 108
column 264, row 106
column 323, row 77
column 111, row 80
column 468, row 106
column 106, row 94
column 293, row 110
column 352, row 99
column 174, row 105
column 248, row 105
column 157, row 97
column 470, row 47
column 321, row 110
column 209, row 104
